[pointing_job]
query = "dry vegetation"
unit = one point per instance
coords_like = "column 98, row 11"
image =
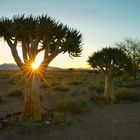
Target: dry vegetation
column 63, row 95
column 66, row 91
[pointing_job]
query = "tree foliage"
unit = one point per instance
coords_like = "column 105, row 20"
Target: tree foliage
column 131, row 48
column 110, row 60
column 35, row 34
column 40, row 33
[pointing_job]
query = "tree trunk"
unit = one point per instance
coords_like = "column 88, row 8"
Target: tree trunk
column 32, row 108
column 109, row 90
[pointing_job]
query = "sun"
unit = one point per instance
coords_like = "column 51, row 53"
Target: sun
column 34, row 66
column 37, row 62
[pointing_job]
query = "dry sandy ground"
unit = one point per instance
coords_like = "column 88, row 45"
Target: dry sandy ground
column 104, row 122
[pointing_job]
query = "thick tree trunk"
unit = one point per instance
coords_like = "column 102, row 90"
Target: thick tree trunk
column 109, row 90
column 32, row 108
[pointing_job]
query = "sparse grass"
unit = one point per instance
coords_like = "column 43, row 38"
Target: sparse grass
column 4, row 76
column 76, row 83
column 76, row 93
column 58, row 116
column 72, row 93
column 70, row 121
column 74, row 105
column 16, row 93
column 28, row 127
column 126, row 78
column 44, row 85
column 99, row 88
column 118, row 82
column 132, row 85
column 12, row 81
column 127, row 94
column 96, row 97
column 61, row 88
column 1, row 99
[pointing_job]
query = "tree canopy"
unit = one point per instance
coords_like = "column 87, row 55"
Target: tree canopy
column 109, row 60
column 131, row 48
column 35, row 34
column 39, row 33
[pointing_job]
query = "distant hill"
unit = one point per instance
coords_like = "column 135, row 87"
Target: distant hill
column 12, row 66
column 9, row 66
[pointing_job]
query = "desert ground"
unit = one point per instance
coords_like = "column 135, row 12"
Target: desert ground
column 73, row 108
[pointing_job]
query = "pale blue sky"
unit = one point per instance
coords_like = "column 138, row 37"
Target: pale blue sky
column 102, row 22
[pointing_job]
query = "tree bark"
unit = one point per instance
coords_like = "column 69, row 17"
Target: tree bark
column 109, row 90
column 32, row 108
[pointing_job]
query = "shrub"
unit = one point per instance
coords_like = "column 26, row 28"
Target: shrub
column 4, row 76
column 99, row 88
column 74, row 105
column 70, row 121
column 28, row 127
column 61, row 88
column 1, row 99
column 12, row 81
column 132, row 85
column 94, row 96
column 58, row 116
column 16, row 93
column 127, row 94
column 118, row 82
column 44, row 85
column 126, row 77
column 75, row 93
column 76, row 83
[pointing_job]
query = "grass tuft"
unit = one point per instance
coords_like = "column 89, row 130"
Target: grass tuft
column 61, row 88
column 74, row 105
column 127, row 94
column 16, row 93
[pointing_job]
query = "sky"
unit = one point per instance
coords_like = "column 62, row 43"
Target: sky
column 102, row 23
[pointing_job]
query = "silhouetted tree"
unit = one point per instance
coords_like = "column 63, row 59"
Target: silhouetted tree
column 36, row 34
column 131, row 47
column 110, row 62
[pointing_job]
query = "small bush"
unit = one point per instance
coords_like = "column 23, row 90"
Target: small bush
column 12, row 81
column 74, row 105
column 99, row 88
column 61, row 88
column 132, row 85
column 28, row 127
column 58, row 117
column 127, row 94
column 4, row 77
column 118, row 82
column 1, row 99
column 126, row 78
column 55, row 84
column 75, row 93
column 94, row 96
column 16, row 93
column 76, row 83
column 70, row 121
column 44, row 85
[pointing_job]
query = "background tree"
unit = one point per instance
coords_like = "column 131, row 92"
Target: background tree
column 36, row 34
column 110, row 62
column 131, row 47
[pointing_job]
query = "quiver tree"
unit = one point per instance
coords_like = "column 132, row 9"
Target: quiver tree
column 131, row 48
column 34, row 35
column 110, row 62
